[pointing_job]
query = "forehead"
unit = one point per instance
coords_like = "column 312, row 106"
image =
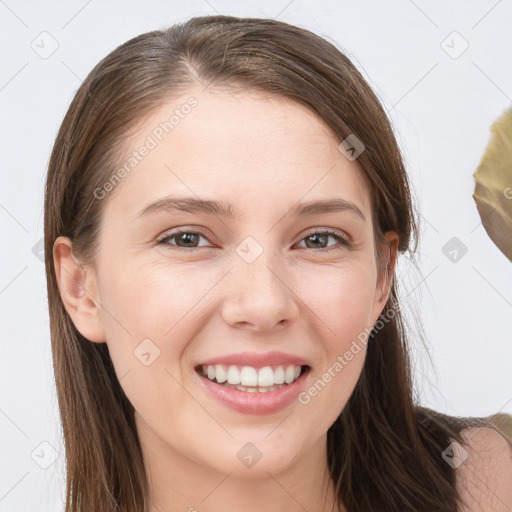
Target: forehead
column 249, row 148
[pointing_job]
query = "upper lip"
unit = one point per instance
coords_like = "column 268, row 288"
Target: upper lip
column 256, row 359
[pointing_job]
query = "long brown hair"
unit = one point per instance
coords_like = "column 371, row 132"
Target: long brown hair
column 384, row 452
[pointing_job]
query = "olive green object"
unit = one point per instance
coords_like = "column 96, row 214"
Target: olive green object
column 493, row 185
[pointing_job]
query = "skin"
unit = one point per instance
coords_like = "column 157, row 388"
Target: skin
column 484, row 478
column 263, row 154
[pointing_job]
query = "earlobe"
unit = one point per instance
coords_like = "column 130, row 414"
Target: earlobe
column 78, row 291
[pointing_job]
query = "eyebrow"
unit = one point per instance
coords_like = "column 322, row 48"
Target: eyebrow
column 223, row 209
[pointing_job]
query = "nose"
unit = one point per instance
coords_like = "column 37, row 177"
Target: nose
column 260, row 295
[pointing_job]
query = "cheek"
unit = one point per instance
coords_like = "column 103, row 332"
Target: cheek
column 148, row 301
column 136, row 311
column 342, row 299
column 148, row 317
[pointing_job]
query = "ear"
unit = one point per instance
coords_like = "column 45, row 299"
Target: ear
column 389, row 252
column 79, row 291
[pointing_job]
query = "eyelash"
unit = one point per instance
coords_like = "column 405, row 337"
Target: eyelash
column 344, row 242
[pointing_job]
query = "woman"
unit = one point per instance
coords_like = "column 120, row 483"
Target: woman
column 225, row 205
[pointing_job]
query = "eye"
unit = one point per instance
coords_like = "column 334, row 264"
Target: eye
column 319, row 237
column 187, row 238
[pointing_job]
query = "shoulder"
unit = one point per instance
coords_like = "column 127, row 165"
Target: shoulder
column 484, row 478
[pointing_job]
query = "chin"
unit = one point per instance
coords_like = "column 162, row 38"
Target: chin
column 253, row 456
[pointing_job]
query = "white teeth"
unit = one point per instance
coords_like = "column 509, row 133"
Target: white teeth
column 289, row 374
column 220, row 374
column 248, row 378
column 279, row 375
column 233, row 375
column 266, row 376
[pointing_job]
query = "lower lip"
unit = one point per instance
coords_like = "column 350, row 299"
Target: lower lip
column 255, row 403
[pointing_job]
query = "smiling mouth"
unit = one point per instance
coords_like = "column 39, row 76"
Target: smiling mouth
column 251, row 379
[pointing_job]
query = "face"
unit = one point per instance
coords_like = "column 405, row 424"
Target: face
column 269, row 295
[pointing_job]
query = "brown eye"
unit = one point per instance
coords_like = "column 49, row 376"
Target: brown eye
column 184, row 239
column 318, row 239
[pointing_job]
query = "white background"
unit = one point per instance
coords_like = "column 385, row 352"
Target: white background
column 441, row 108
